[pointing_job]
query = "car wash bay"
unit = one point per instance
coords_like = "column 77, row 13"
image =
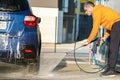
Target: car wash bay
column 58, row 66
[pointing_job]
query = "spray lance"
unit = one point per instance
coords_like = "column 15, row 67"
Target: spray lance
column 98, row 38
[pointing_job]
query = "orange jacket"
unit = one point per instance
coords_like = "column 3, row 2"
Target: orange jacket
column 105, row 17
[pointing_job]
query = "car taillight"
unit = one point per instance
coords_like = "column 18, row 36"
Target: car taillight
column 30, row 20
column 28, row 51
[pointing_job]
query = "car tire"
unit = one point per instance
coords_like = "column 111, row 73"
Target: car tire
column 34, row 67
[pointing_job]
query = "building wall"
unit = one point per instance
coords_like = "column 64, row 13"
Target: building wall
column 48, row 11
column 113, row 4
column 44, row 3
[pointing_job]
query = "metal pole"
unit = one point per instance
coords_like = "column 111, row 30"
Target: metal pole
column 77, row 18
column 55, row 34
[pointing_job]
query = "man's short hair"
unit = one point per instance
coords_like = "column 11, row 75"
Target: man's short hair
column 89, row 3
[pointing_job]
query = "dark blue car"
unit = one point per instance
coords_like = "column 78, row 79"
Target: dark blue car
column 20, row 40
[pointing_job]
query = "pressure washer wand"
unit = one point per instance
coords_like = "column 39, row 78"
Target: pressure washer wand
column 84, row 45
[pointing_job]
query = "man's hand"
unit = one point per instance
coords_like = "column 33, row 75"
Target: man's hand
column 102, row 40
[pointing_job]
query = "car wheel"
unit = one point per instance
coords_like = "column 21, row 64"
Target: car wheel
column 34, row 67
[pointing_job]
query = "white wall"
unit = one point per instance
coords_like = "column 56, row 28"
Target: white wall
column 114, row 4
column 49, row 23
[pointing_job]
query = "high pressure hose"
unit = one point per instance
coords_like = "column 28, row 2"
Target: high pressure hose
column 94, row 58
column 81, row 69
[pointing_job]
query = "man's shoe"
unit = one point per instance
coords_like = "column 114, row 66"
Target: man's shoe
column 110, row 73
column 106, row 70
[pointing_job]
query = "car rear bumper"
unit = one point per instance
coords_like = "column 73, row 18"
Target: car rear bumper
column 21, row 49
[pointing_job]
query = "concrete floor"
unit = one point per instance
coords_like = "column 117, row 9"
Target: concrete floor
column 65, row 70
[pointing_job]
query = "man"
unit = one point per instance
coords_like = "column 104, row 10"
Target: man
column 110, row 20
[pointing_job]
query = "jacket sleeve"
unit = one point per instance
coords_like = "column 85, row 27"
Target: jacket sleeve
column 96, row 23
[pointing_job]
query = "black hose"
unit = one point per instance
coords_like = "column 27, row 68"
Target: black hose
column 81, row 69
column 91, row 72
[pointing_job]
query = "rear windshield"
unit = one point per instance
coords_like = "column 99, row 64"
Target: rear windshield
column 13, row 5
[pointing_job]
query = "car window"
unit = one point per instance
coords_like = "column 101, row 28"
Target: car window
column 13, row 5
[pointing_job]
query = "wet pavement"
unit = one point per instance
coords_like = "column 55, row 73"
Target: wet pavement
column 66, row 69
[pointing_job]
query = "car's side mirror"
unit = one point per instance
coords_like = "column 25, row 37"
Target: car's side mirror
column 38, row 19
